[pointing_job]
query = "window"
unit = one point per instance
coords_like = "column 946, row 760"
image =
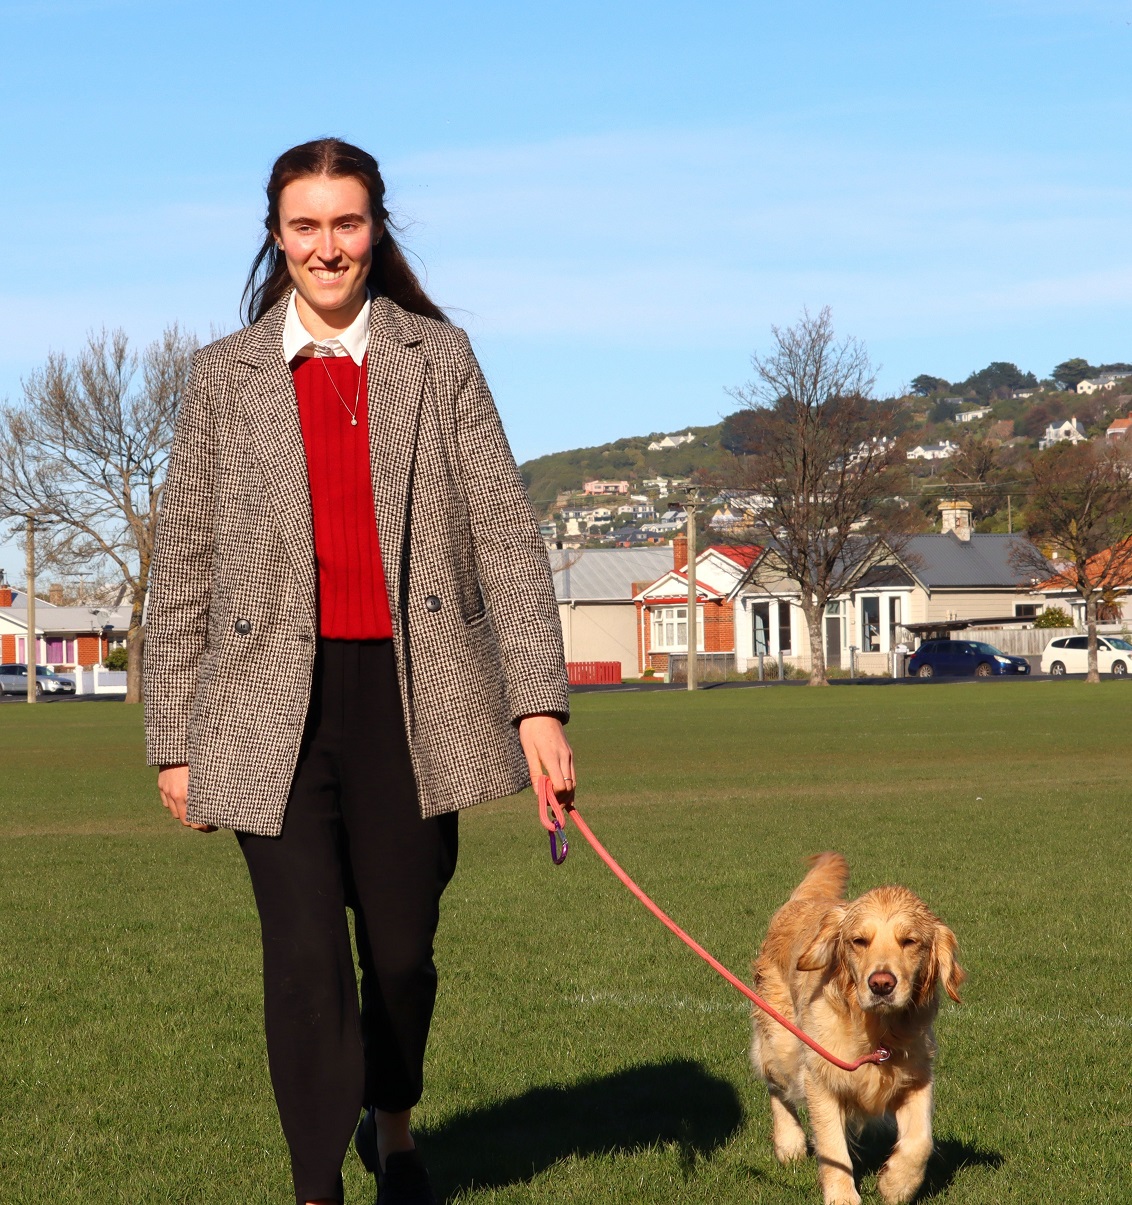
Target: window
column 1026, row 610
column 760, row 619
column 870, row 624
column 55, row 650
column 894, row 616
column 784, row 643
column 670, row 629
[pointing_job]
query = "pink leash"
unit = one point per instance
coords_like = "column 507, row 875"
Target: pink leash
column 552, row 816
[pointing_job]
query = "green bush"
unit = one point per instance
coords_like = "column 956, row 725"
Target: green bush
column 1053, row 617
column 116, row 659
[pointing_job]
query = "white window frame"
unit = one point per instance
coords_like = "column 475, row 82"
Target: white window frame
column 667, row 623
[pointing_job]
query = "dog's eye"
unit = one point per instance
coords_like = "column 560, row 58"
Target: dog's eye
column 860, row 942
column 908, row 942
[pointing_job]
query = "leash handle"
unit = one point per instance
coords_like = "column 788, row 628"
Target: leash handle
column 552, row 817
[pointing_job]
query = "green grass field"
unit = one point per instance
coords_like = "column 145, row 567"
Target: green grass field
column 579, row 1053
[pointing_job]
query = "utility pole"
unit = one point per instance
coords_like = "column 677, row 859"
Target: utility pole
column 693, row 640
column 30, row 642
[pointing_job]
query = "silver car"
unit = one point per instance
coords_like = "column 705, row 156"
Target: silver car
column 14, row 681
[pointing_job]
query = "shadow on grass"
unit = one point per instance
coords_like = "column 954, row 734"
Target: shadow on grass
column 949, row 1158
column 515, row 1140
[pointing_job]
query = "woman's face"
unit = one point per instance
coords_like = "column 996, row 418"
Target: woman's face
column 327, row 233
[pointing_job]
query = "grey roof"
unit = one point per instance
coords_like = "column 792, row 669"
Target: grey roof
column 70, row 619
column 605, row 574
column 942, row 560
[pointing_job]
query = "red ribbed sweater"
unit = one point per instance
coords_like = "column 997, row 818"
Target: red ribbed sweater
column 352, row 600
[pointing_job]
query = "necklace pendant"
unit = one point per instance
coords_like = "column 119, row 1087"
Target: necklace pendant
column 353, row 422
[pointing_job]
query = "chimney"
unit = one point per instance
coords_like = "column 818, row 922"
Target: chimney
column 679, row 551
column 5, row 596
column 55, row 594
column 955, row 516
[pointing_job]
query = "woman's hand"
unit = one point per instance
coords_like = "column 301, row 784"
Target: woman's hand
column 548, row 752
column 173, row 786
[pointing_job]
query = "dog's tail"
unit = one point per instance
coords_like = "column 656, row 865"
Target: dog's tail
column 829, row 873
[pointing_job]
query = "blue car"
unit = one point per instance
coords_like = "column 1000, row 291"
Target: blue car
column 963, row 658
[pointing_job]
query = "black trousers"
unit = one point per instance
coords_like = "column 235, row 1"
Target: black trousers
column 352, row 838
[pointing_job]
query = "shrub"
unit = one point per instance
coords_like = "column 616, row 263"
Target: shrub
column 116, row 659
column 1053, row 617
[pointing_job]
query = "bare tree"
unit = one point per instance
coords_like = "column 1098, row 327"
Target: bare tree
column 88, row 449
column 824, row 461
column 1080, row 515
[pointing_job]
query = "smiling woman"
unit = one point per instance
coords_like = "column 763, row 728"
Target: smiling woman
column 343, row 520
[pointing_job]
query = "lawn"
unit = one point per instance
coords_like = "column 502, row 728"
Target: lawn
column 579, row 1053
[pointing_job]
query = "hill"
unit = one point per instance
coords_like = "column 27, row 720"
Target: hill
column 624, row 459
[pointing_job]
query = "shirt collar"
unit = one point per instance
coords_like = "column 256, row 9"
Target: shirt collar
column 298, row 341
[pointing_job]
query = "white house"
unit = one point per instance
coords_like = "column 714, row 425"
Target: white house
column 941, row 451
column 671, row 441
column 1107, row 380
column 1070, row 431
column 969, row 416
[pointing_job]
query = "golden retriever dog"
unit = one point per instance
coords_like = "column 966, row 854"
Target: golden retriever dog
column 853, row 975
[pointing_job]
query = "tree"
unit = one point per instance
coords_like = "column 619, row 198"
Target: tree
column 924, row 385
column 998, row 380
column 1070, row 373
column 88, row 449
column 823, row 463
column 1080, row 513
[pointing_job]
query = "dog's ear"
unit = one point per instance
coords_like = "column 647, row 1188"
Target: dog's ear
column 943, row 966
column 821, row 950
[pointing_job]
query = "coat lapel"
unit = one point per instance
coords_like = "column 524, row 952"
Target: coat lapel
column 394, row 392
column 267, row 398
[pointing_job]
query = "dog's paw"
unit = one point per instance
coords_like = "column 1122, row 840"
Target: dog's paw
column 898, row 1185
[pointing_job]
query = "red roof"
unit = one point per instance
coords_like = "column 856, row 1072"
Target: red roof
column 1113, row 564
column 744, row 555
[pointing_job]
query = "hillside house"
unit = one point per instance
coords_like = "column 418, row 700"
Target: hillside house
column 1106, row 380
column 605, row 487
column 1070, row 431
column 1118, row 428
column 970, row 416
column 940, row 451
column 667, row 442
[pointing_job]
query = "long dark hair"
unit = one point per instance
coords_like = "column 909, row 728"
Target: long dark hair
column 389, row 274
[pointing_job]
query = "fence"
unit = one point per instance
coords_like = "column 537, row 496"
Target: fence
column 710, row 667
column 98, row 681
column 593, row 673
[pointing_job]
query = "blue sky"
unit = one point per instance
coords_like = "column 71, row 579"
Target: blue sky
column 616, row 199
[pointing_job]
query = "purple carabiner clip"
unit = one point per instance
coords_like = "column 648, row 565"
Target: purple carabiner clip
column 559, row 846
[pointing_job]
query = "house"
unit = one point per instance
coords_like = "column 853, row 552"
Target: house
column 1118, row 428
column 1071, row 431
column 67, row 638
column 941, row 451
column 671, row 441
column 1106, row 380
column 662, row 606
column 969, row 416
column 638, row 510
column 1026, row 391
column 955, row 573
column 605, row 487
column 595, row 589
column 1060, row 590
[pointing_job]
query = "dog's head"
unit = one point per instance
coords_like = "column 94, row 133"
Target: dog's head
column 888, row 949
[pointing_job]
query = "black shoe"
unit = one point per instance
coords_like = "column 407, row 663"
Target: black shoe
column 404, row 1181
column 365, row 1143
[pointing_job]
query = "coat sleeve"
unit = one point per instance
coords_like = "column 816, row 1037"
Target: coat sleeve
column 180, row 584
column 511, row 560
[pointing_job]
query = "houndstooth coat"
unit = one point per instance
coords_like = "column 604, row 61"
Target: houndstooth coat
column 232, row 618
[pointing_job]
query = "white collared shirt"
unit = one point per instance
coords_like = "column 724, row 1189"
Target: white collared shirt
column 298, row 341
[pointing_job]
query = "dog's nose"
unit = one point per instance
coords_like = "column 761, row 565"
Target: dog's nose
column 882, row 983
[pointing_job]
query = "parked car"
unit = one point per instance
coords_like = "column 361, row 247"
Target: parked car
column 942, row 658
column 1070, row 655
column 14, row 680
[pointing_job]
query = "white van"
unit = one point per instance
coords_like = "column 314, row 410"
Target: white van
column 1070, row 655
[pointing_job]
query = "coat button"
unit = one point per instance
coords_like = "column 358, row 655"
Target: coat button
column 243, row 627
column 432, row 603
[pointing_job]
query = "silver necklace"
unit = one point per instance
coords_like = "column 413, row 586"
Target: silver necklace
column 357, row 393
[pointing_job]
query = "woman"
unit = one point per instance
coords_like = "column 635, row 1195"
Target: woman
column 351, row 635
